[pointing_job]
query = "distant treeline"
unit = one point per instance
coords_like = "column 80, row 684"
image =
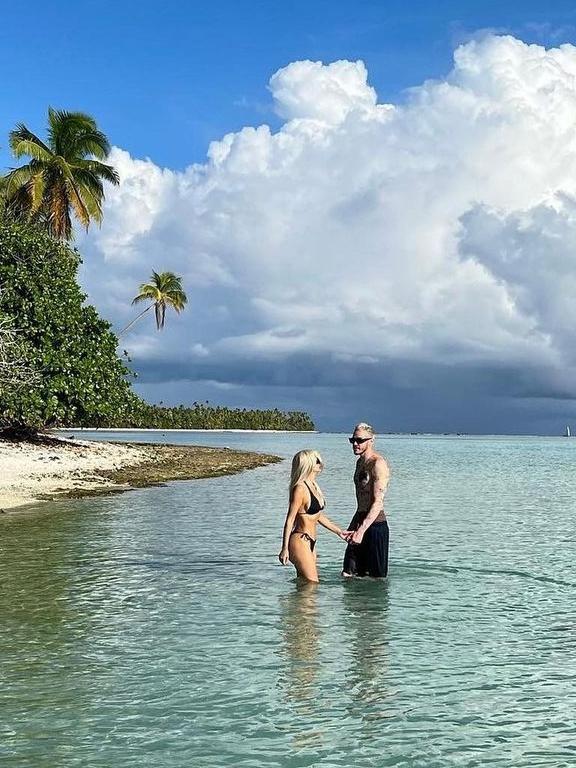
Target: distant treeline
column 206, row 416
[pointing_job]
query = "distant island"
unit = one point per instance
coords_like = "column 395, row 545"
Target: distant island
column 205, row 416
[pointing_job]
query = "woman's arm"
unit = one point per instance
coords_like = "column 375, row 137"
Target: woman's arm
column 296, row 502
column 327, row 523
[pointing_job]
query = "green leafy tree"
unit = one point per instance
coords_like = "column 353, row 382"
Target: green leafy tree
column 80, row 380
column 15, row 375
column 163, row 290
column 64, row 175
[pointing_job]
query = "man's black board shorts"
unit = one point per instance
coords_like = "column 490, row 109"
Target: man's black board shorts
column 370, row 558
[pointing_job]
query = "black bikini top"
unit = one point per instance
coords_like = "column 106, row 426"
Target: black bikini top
column 314, row 507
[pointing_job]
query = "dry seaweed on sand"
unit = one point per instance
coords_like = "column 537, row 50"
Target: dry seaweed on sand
column 170, row 462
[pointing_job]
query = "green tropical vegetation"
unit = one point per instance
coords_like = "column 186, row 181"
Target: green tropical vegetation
column 68, row 347
column 58, row 360
column 164, row 290
column 64, row 175
column 206, row 416
column 59, row 364
column 15, row 374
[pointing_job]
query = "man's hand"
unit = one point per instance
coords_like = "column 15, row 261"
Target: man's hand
column 346, row 535
column 356, row 537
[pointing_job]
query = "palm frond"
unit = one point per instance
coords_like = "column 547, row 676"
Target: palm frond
column 17, row 178
column 79, row 206
column 24, row 142
column 93, row 142
column 90, row 190
column 58, row 210
column 168, row 281
column 178, row 301
column 87, row 179
column 146, row 292
column 63, row 126
column 73, row 193
column 37, row 189
column 100, row 170
column 92, row 201
column 18, row 206
column 75, row 134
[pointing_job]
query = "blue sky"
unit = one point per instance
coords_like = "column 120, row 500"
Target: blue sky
column 396, row 244
column 164, row 79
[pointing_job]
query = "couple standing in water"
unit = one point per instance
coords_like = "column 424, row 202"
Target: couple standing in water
column 367, row 535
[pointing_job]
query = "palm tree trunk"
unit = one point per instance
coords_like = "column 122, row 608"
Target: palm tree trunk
column 131, row 323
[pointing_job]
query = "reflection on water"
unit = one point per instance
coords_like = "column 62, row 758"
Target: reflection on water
column 300, row 654
column 366, row 605
column 351, row 615
column 300, row 633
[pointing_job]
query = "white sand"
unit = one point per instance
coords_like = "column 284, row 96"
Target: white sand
column 199, row 431
column 28, row 471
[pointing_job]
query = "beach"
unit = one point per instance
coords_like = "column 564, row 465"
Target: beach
column 63, row 468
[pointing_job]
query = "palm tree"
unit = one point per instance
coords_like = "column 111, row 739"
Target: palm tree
column 64, row 175
column 163, row 290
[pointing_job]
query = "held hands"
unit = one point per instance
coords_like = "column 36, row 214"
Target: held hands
column 356, row 537
column 345, row 535
column 284, row 557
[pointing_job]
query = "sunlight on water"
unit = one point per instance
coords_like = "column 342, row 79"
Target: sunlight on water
column 157, row 629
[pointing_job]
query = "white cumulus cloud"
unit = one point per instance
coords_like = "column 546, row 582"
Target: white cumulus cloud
column 435, row 232
column 310, row 90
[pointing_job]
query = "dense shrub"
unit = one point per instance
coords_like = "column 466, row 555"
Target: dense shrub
column 73, row 350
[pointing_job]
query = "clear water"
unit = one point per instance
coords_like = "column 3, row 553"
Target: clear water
column 156, row 628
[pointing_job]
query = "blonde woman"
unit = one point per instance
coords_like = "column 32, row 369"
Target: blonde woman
column 306, row 508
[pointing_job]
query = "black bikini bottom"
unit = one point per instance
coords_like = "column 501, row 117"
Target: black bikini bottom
column 306, row 537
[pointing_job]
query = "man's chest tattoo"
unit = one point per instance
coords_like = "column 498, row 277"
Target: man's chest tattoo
column 363, row 479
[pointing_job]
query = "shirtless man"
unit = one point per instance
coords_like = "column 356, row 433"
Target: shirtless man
column 367, row 550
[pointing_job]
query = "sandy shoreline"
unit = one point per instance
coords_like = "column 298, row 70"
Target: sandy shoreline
column 32, row 473
column 71, row 430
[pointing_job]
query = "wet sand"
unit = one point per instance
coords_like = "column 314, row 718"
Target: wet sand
column 33, row 472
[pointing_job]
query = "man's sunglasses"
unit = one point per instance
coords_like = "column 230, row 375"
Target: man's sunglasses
column 358, row 440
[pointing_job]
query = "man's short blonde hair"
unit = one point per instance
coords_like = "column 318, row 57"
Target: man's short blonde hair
column 363, row 427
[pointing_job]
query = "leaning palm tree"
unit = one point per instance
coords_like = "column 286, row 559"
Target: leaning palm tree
column 64, row 175
column 163, row 290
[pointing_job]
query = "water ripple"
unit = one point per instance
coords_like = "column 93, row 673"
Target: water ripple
column 156, row 628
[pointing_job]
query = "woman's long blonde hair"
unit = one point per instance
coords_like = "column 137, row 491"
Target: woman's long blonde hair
column 302, row 465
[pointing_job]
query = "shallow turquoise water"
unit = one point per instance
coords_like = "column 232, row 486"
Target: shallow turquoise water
column 156, row 628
